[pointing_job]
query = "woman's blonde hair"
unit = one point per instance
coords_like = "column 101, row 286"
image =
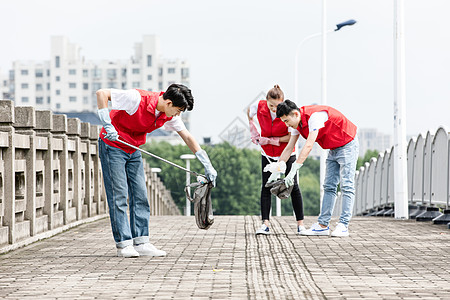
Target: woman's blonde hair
column 275, row 93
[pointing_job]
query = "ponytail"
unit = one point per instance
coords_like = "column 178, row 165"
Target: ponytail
column 275, row 93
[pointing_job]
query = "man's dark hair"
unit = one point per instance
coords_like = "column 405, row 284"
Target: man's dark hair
column 285, row 108
column 180, row 96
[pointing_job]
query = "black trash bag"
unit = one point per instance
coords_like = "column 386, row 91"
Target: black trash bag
column 279, row 189
column 202, row 203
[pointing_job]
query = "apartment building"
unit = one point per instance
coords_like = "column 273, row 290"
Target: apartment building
column 371, row 139
column 68, row 82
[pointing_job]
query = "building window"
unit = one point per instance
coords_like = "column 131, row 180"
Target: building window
column 39, row 73
column 85, row 86
column 58, row 105
column 160, row 71
column 72, row 85
column 124, row 85
column 57, row 61
column 96, row 86
column 73, row 99
column 149, row 77
column 135, row 84
column 112, row 85
column 24, row 99
column 38, row 87
column 96, row 73
column 24, row 72
column 72, row 72
column 160, row 87
column 171, row 70
column 85, row 100
column 48, row 100
column 85, row 73
column 58, row 78
column 184, row 72
column 149, row 60
column 58, row 92
column 39, row 100
column 150, row 89
column 24, row 85
column 48, row 73
column 135, row 71
column 48, row 86
column 111, row 73
column 124, row 72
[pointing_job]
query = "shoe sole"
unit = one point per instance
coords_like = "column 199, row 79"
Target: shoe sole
column 260, row 233
column 127, row 256
column 315, row 234
column 337, row 235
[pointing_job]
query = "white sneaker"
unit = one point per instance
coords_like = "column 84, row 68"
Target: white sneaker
column 300, row 229
column 316, row 229
column 128, row 251
column 340, row 230
column 263, row 230
column 148, row 249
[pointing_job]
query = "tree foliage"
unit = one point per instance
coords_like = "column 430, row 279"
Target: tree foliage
column 369, row 154
column 238, row 187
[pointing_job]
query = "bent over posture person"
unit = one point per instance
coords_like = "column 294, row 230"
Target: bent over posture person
column 134, row 114
column 273, row 140
column 331, row 130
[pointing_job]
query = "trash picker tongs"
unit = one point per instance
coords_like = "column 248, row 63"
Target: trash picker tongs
column 160, row 158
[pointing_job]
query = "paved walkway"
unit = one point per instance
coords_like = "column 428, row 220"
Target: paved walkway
column 383, row 259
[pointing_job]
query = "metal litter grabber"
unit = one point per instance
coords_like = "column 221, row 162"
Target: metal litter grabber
column 162, row 159
column 202, row 194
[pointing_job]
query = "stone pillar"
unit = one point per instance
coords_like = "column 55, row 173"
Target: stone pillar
column 7, row 118
column 86, row 149
column 99, row 207
column 25, row 122
column 59, row 142
column 44, row 125
column 74, row 132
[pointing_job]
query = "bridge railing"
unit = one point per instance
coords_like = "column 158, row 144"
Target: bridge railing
column 50, row 174
column 428, row 178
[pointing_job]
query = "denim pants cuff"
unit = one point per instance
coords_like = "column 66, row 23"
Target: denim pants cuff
column 123, row 244
column 141, row 240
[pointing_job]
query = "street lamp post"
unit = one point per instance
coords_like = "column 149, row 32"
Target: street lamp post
column 400, row 148
column 188, row 157
column 323, row 153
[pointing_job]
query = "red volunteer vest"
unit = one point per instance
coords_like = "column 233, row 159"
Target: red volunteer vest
column 338, row 130
column 134, row 128
column 271, row 128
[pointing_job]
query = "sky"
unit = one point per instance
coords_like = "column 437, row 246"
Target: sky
column 237, row 49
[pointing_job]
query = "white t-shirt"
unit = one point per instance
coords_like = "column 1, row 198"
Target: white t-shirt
column 129, row 100
column 254, row 110
column 316, row 121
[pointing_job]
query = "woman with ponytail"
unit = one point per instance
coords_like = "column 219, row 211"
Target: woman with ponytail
column 273, row 139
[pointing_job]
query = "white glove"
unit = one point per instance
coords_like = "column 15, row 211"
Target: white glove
column 111, row 132
column 276, row 167
column 210, row 172
column 289, row 179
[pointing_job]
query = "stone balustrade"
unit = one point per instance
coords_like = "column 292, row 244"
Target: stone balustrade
column 50, row 174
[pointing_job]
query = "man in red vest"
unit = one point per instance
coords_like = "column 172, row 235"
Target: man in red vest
column 331, row 130
column 134, row 114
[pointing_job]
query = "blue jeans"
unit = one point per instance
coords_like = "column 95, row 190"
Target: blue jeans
column 341, row 164
column 123, row 175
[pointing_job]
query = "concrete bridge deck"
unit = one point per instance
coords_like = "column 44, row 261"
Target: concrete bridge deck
column 382, row 259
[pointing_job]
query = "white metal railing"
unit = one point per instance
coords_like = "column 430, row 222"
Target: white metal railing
column 428, row 175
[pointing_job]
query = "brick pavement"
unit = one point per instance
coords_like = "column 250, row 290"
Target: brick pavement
column 383, row 259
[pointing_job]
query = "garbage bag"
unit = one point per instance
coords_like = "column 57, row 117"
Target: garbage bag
column 202, row 203
column 279, row 189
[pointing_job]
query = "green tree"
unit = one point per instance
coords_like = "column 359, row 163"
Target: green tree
column 369, row 154
column 238, row 187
